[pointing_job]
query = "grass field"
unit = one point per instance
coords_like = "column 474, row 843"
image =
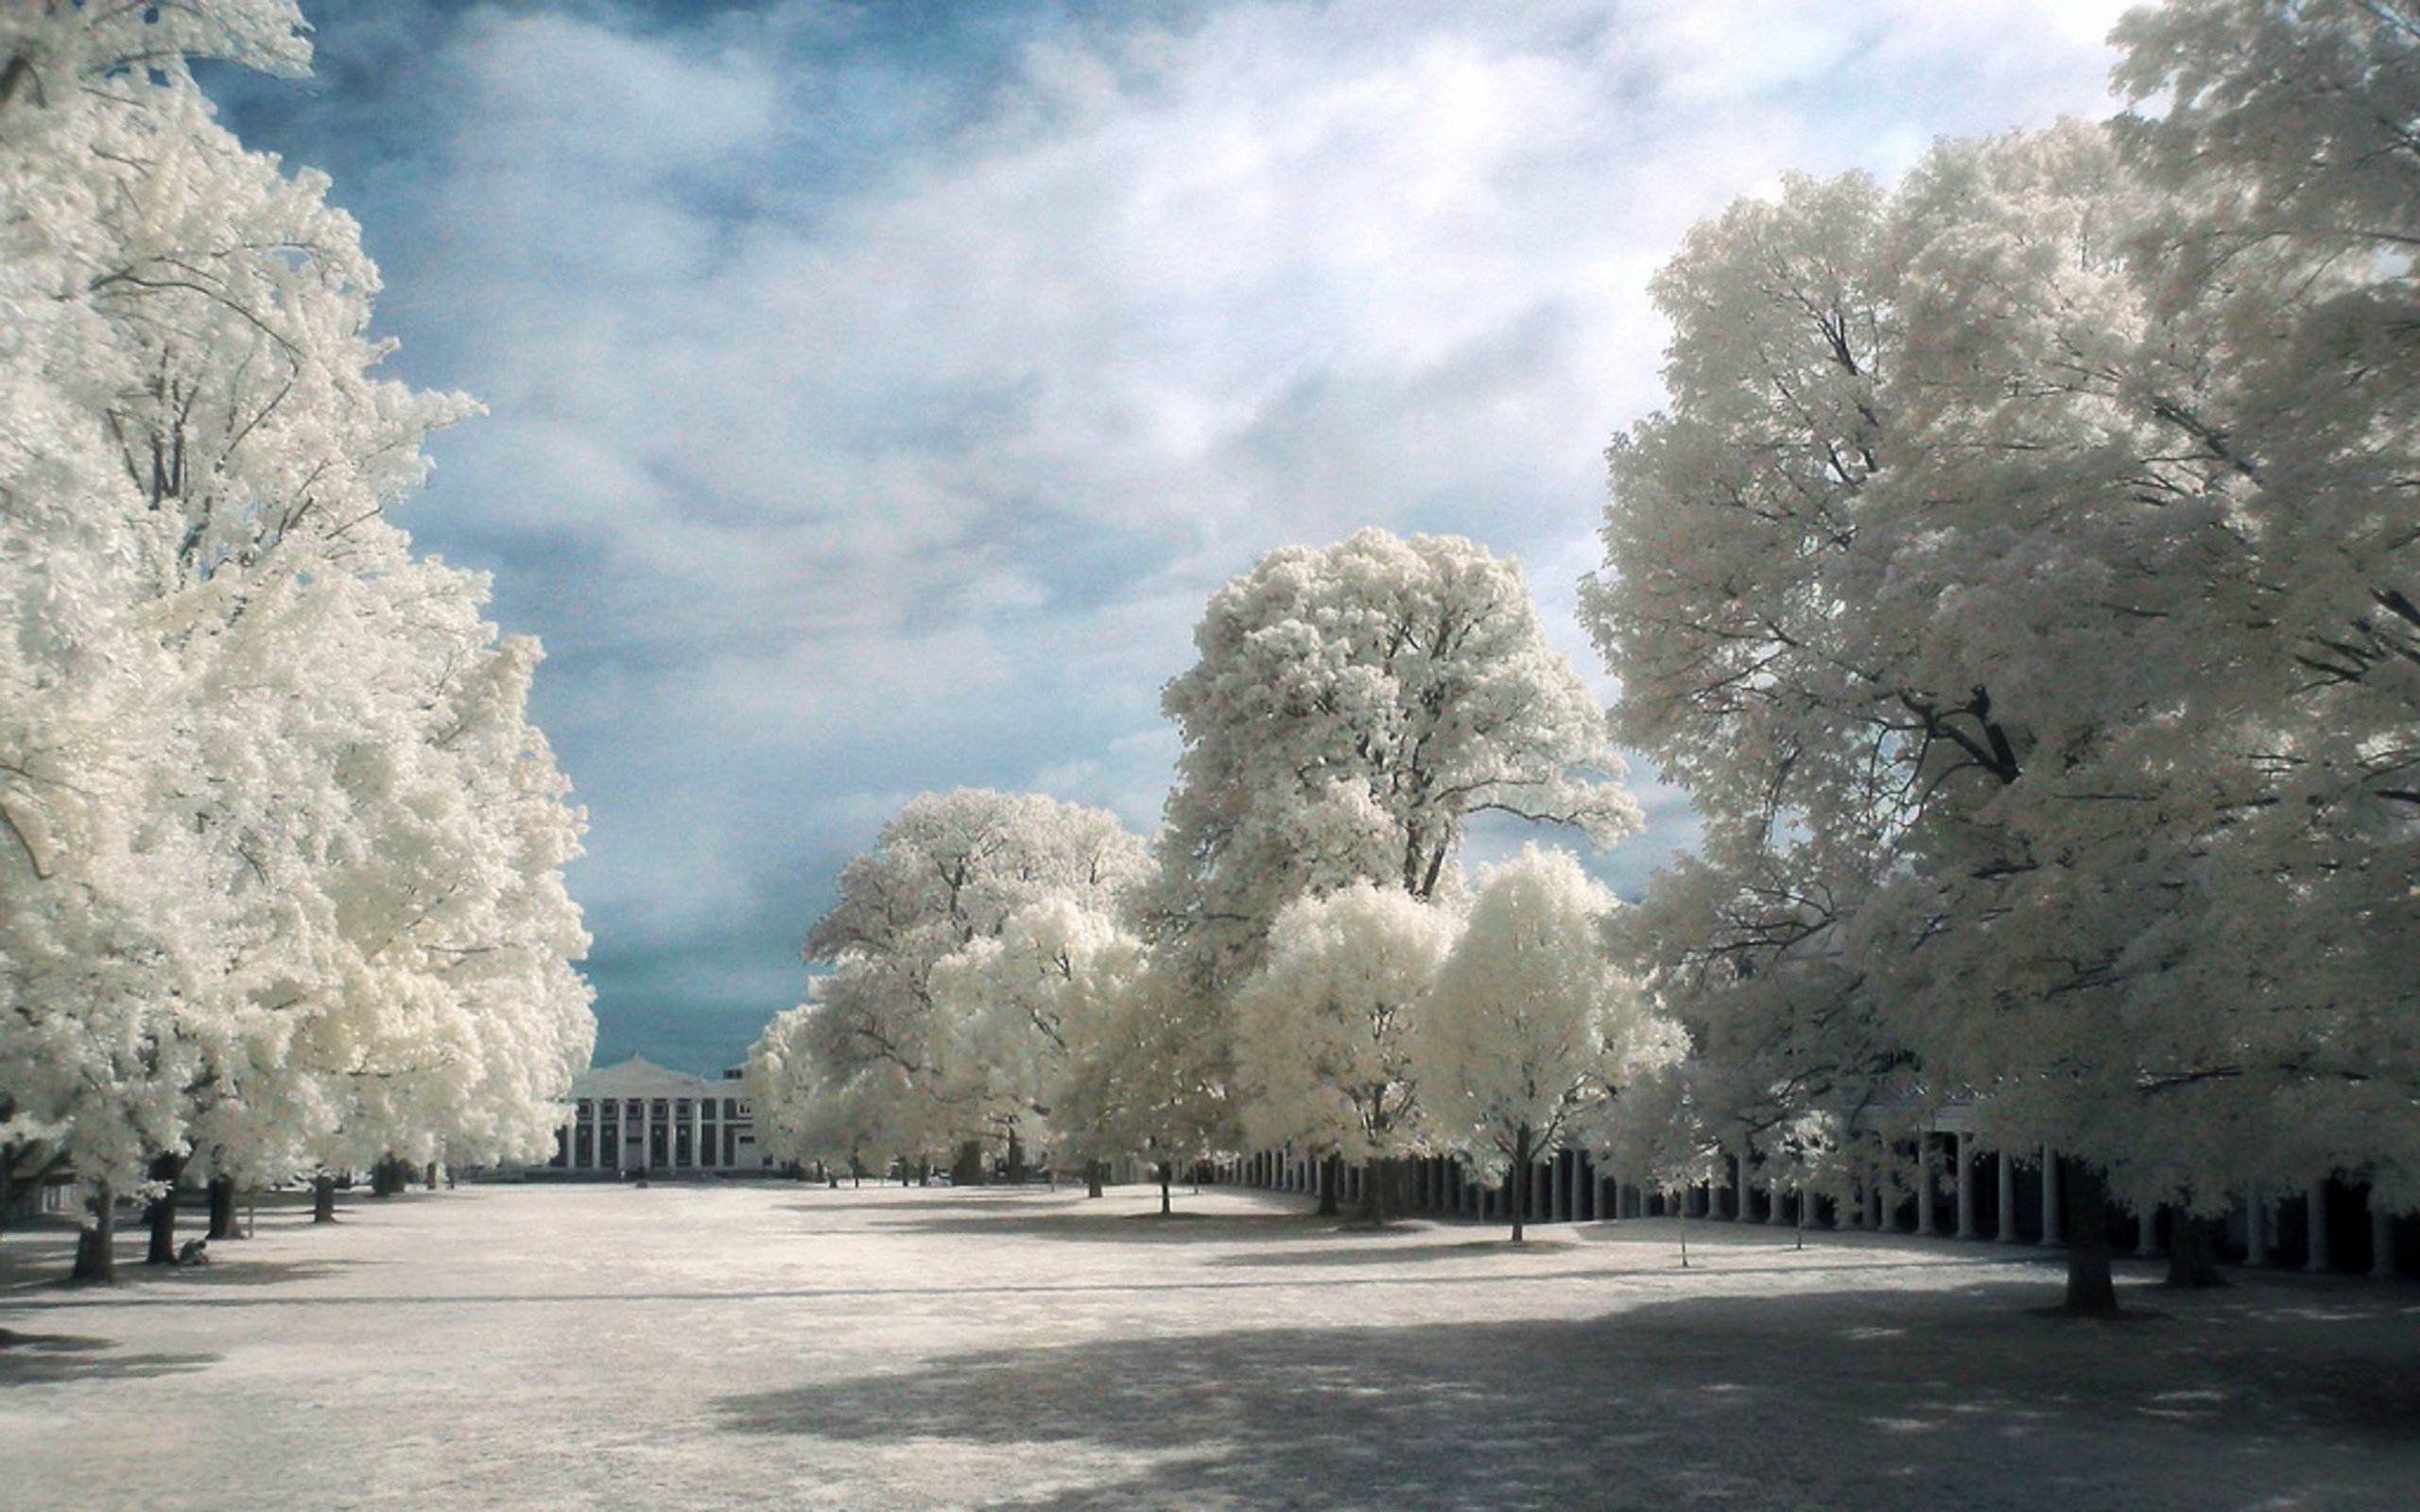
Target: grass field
column 783, row 1346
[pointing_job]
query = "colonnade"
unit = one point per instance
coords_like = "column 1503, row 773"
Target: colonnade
column 2019, row 1201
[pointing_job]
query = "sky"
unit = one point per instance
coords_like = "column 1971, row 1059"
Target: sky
column 875, row 390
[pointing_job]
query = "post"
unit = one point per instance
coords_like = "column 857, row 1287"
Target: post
column 1965, row 1186
column 2053, row 1223
column 2322, row 1255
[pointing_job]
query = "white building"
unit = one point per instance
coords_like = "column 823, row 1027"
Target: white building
column 639, row 1116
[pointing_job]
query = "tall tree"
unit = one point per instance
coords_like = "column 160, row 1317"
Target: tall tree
column 1967, row 582
column 233, row 695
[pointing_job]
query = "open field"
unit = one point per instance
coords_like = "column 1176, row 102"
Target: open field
column 713, row 1346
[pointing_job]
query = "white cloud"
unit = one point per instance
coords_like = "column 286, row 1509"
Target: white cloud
column 822, row 476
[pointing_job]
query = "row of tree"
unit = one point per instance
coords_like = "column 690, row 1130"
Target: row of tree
column 1294, row 960
column 2022, row 579
column 280, row 851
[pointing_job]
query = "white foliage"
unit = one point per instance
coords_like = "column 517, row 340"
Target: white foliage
column 1352, row 706
column 1532, row 1021
column 1324, row 1030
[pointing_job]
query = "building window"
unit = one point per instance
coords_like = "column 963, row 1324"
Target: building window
column 730, row 1108
column 587, row 1110
column 630, row 1110
column 584, row 1148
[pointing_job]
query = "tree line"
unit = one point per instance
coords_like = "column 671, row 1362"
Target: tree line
column 2021, row 581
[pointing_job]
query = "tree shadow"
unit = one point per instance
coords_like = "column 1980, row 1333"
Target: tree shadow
column 30, row 1359
column 1850, row 1399
column 1376, row 1249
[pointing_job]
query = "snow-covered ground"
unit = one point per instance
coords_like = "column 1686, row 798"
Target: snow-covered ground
column 728, row 1345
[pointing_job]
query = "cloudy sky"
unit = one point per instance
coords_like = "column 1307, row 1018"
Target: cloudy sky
column 876, row 389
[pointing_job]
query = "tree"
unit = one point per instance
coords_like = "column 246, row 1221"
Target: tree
column 1029, row 1007
column 233, row 696
column 1324, row 1030
column 1976, row 581
column 949, row 870
column 1354, row 705
column 1149, row 1075
column 1531, row 1023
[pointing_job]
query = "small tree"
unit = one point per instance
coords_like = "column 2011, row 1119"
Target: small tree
column 1323, row 1031
column 1530, row 1021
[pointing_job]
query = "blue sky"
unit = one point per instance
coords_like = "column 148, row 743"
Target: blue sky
column 876, row 389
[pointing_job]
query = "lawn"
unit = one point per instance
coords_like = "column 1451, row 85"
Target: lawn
column 786, row 1346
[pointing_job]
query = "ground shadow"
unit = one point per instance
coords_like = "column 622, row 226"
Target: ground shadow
column 29, row 1359
column 1845, row 1399
column 1366, row 1247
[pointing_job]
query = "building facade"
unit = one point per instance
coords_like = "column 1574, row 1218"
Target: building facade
column 639, row 1117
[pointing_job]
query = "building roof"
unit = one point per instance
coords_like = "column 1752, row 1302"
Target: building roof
column 641, row 1077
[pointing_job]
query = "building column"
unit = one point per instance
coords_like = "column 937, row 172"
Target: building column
column 2323, row 1256
column 2381, row 1240
column 1925, row 1158
column 2054, row 1229
column 2007, row 1196
column 1739, row 1164
column 1774, row 1197
column 2255, row 1224
column 1965, row 1186
column 2146, row 1233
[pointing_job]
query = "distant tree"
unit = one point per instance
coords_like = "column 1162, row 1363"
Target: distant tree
column 1531, row 1023
column 1149, row 1075
column 1027, row 1007
column 1324, row 1030
column 949, row 870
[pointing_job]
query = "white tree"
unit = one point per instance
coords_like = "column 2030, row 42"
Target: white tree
column 1324, row 1030
column 1354, row 705
column 1028, row 1009
column 949, row 870
column 1531, row 1023
column 232, row 694
column 2014, row 579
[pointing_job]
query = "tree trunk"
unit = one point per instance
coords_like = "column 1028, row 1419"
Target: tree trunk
column 2091, row 1290
column 1331, row 1177
column 324, row 1198
column 429, row 1176
column 967, row 1170
column 1516, row 1186
column 160, row 1213
column 96, row 1243
column 389, row 1175
column 222, row 1208
column 2192, row 1255
column 1016, row 1160
column 1374, row 1173
column 1168, row 1174
column 1093, row 1178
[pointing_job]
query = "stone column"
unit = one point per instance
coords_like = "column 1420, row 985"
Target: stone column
column 2255, row 1226
column 2146, row 1233
column 2007, row 1196
column 1740, row 1163
column 1965, row 1186
column 1926, row 1156
column 1774, row 1197
column 2054, row 1227
column 2381, row 1240
column 2323, row 1256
